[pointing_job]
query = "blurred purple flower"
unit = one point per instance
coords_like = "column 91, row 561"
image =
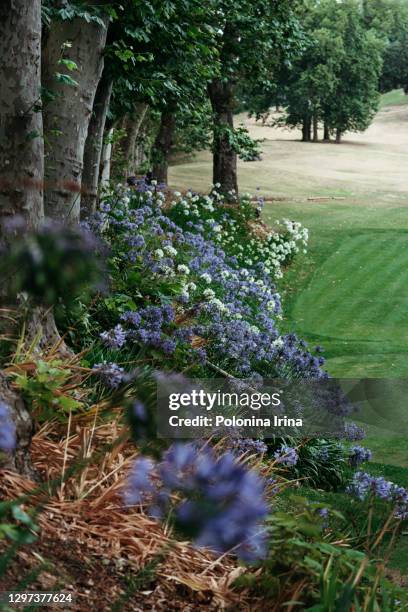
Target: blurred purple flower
column 7, row 429
column 358, row 455
column 222, row 503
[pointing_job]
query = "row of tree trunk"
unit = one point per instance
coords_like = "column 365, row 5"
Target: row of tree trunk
column 44, row 122
column 310, row 131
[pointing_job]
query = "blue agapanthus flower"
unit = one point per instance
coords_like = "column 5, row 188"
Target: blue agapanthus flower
column 353, row 432
column 286, row 455
column 364, row 485
column 111, row 374
column 358, row 455
column 221, row 504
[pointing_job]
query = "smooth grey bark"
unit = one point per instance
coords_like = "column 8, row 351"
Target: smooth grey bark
column 162, row 147
column 21, row 129
column 94, row 146
column 106, row 159
column 21, row 164
column 224, row 157
column 131, row 124
column 67, row 115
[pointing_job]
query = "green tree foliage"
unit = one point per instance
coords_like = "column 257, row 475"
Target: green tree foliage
column 160, row 52
column 390, row 20
column 354, row 99
column 336, row 79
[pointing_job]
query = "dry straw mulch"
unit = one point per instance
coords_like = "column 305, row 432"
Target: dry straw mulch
column 84, row 516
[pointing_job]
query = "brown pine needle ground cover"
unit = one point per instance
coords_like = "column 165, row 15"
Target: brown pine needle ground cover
column 92, row 546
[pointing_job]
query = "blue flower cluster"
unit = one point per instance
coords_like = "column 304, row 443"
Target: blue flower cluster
column 232, row 309
column 358, row 455
column 286, row 455
column 7, row 429
column 248, row 445
column 111, row 374
column 150, row 326
column 114, row 338
column 353, row 432
column 221, row 504
column 364, row 485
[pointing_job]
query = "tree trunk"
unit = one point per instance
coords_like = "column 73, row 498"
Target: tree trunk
column 326, row 133
column 106, row 159
column 225, row 158
column 307, row 129
column 131, row 124
column 93, row 147
column 21, row 164
column 21, row 130
column 162, row 147
column 338, row 136
column 67, row 115
column 315, row 129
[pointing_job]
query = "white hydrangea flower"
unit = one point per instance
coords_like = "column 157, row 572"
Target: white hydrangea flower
column 209, row 294
column 159, row 253
column 206, row 278
column 182, row 269
column 220, row 305
column 170, row 250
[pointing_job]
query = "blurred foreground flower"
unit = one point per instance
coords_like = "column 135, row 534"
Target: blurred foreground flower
column 220, row 503
column 55, row 263
column 7, row 429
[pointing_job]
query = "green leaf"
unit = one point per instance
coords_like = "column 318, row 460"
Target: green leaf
column 66, row 79
column 70, row 64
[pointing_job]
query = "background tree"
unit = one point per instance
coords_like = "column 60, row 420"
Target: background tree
column 354, row 101
column 335, row 81
column 392, row 24
column 165, row 63
column 255, row 38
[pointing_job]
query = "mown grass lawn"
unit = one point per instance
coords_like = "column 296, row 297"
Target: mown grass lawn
column 350, row 295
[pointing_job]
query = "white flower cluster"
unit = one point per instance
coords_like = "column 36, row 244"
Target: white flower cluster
column 273, row 251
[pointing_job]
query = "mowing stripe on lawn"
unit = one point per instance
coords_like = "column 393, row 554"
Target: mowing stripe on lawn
column 349, row 297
